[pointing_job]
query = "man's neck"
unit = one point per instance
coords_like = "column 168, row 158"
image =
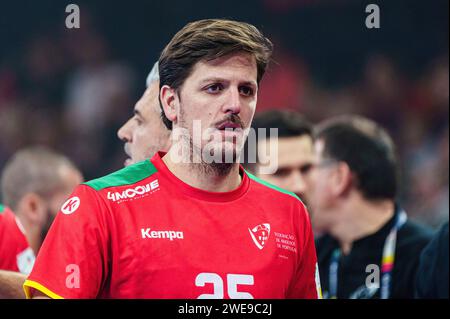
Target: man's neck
column 359, row 218
column 32, row 233
column 204, row 176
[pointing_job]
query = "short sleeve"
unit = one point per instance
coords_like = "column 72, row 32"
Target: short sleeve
column 73, row 260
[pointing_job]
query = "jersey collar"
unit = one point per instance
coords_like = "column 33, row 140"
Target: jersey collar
column 196, row 192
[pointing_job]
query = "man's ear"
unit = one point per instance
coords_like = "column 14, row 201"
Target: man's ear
column 343, row 179
column 170, row 102
column 32, row 207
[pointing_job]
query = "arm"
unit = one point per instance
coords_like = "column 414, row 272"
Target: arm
column 306, row 281
column 11, row 285
column 39, row 295
column 79, row 267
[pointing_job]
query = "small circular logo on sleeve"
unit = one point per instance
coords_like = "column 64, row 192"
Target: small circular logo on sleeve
column 71, row 205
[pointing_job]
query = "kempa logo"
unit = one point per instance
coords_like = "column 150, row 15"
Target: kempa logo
column 133, row 193
column 161, row 234
column 71, row 205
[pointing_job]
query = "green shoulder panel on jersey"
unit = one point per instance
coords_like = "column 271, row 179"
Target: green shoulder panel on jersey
column 126, row 176
column 2, row 208
column 281, row 190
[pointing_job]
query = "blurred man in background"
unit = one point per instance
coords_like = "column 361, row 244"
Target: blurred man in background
column 34, row 184
column 144, row 133
column 370, row 249
column 295, row 151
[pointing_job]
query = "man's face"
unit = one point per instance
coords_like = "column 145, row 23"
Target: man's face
column 144, row 133
column 320, row 193
column 295, row 157
column 70, row 178
column 220, row 95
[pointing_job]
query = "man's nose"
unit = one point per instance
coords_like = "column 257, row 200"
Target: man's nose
column 233, row 103
column 124, row 133
column 297, row 183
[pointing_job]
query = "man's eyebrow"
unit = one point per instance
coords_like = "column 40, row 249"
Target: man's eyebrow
column 216, row 79
column 213, row 79
column 137, row 112
column 251, row 83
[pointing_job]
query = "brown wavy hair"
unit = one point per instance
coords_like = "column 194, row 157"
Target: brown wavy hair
column 208, row 40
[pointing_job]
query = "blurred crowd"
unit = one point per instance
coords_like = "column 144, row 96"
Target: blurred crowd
column 414, row 110
column 70, row 92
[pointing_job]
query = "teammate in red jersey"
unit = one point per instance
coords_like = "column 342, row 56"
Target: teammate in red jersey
column 174, row 227
column 34, row 184
column 16, row 254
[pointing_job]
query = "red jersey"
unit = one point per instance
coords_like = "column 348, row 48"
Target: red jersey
column 15, row 253
column 143, row 233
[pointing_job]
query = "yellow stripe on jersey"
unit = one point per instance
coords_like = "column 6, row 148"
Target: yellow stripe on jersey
column 33, row 284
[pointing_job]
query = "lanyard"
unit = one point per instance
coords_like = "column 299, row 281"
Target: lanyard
column 387, row 261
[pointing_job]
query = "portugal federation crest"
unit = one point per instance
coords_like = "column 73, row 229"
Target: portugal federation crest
column 260, row 234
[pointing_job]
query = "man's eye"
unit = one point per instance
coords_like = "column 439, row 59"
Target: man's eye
column 137, row 120
column 305, row 168
column 215, row 88
column 246, row 90
column 282, row 172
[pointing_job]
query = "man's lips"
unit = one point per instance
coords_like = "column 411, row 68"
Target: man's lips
column 231, row 122
column 128, row 161
column 229, row 125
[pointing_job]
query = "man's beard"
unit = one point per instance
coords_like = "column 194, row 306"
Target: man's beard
column 47, row 225
column 223, row 168
column 217, row 168
column 227, row 158
column 302, row 198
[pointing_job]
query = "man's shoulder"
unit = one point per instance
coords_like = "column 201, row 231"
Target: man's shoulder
column 325, row 244
column 271, row 190
column 414, row 234
column 4, row 218
column 6, row 213
column 324, row 240
column 438, row 244
column 126, row 176
column 432, row 274
column 11, row 227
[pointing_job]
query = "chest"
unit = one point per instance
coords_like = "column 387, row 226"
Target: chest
column 190, row 249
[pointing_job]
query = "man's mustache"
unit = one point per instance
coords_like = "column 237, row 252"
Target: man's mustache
column 233, row 118
column 126, row 149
